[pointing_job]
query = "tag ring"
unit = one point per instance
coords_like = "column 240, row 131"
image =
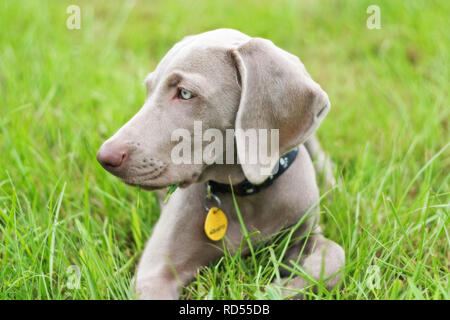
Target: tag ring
column 215, row 198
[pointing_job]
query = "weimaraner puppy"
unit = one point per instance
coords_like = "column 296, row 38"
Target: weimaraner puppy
column 226, row 80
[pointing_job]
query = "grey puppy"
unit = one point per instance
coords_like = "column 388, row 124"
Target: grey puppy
column 226, row 80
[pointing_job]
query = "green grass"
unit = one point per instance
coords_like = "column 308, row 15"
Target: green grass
column 63, row 92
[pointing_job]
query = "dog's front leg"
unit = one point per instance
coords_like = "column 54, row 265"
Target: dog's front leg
column 177, row 248
column 320, row 258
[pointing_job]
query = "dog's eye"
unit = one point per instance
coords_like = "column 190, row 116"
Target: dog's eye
column 185, row 95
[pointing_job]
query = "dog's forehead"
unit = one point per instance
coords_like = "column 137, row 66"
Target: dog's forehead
column 220, row 37
column 200, row 52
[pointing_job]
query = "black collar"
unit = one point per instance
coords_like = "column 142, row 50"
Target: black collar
column 246, row 188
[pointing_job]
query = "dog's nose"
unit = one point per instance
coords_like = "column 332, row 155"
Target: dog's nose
column 112, row 155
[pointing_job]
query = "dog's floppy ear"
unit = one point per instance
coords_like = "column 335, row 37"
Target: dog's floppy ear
column 277, row 93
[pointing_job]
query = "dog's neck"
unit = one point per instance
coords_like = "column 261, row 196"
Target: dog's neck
column 243, row 187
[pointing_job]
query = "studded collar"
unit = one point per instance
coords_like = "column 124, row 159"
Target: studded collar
column 246, row 188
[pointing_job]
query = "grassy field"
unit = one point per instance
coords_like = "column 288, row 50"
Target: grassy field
column 63, row 92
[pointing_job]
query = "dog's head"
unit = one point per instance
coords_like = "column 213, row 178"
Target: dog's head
column 223, row 80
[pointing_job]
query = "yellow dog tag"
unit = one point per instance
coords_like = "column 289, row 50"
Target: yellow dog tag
column 216, row 224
